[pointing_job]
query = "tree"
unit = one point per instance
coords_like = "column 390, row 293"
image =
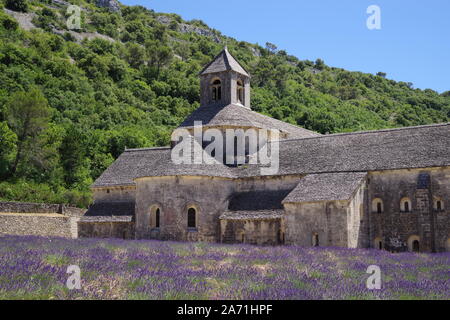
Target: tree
column 320, row 64
column 135, row 55
column 158, row 55
column 381, row 74
column 271, row 47
column 17, row 5
column 28, row 116
column 73, row 156
column 8, row 141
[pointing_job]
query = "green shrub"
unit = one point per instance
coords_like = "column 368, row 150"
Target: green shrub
column 17, row 5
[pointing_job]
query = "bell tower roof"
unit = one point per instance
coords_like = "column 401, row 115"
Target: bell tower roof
column 224, row 61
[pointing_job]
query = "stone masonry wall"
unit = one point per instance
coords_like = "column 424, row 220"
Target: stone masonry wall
column 120, row 230
column 174, row 196
column 39, row 219
column 327, row 219
column 261, row 232
column 208, row 195
column 114, row 194
column 395, row 227
column 357, row 220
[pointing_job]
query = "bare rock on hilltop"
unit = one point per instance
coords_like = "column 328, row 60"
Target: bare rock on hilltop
column 112, row 5
column 24, row 19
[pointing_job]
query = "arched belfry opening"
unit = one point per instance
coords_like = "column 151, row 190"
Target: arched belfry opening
column 240, row 92
column 216, row 90
column 224, row 81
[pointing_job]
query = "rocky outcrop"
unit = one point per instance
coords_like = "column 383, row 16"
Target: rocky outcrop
column 112, row 5
column 24, row 19
column 187, row 28
column 80, row 36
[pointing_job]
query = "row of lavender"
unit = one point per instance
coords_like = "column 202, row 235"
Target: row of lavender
column 36, row 268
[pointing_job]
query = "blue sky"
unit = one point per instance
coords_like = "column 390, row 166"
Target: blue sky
column 413, row 44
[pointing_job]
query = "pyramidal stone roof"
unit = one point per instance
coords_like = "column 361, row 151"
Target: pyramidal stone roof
column 234, row 115
column 224, row 61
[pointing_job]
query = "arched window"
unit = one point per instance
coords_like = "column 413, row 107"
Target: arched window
column 405, row 205
column 438, row 204
column 216, row 90
column 240, row 92
column 155, row 217
column 414, row 243
column 191, row 218
column 157, row 214
column 377, row 205
column 315, row 240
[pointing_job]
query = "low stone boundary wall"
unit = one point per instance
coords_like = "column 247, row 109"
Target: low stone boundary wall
column 28, row 207
column 40, row 219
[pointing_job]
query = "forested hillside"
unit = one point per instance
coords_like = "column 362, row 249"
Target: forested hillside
column 72, row 100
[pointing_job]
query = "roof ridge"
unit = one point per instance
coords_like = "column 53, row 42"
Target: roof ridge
column 226, row 60
column 287, row 123
column 147, row 149
column 228, row 53
column 369, row 131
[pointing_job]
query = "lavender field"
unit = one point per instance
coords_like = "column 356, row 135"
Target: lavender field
column 35, row 268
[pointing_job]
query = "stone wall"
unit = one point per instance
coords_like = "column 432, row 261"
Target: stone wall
column 25, row 207
column 352, row 223
column 39, row 219
column 124, row 193
column 326, row 219
column 260, row 231
column 174, row 196
column 395, row 227
column 209, row 196
column 357, row 220
column 229, row 86
column 121, row 230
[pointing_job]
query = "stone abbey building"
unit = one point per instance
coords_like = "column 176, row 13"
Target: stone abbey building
column 385, row 189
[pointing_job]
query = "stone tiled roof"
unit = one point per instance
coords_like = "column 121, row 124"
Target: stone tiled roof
column 252, row 215
column 257, row 200
column 257, row 204
column 114, row 208
column 326, row 187
column 224, row 61
column 413, row 147
column 235, row 115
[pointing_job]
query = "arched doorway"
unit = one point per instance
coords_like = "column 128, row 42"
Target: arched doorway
column 378, row 243
column 315, row 240
column 416, row 246
column 414, row 243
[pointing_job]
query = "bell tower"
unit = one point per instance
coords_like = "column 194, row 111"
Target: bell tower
column 223, row 82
